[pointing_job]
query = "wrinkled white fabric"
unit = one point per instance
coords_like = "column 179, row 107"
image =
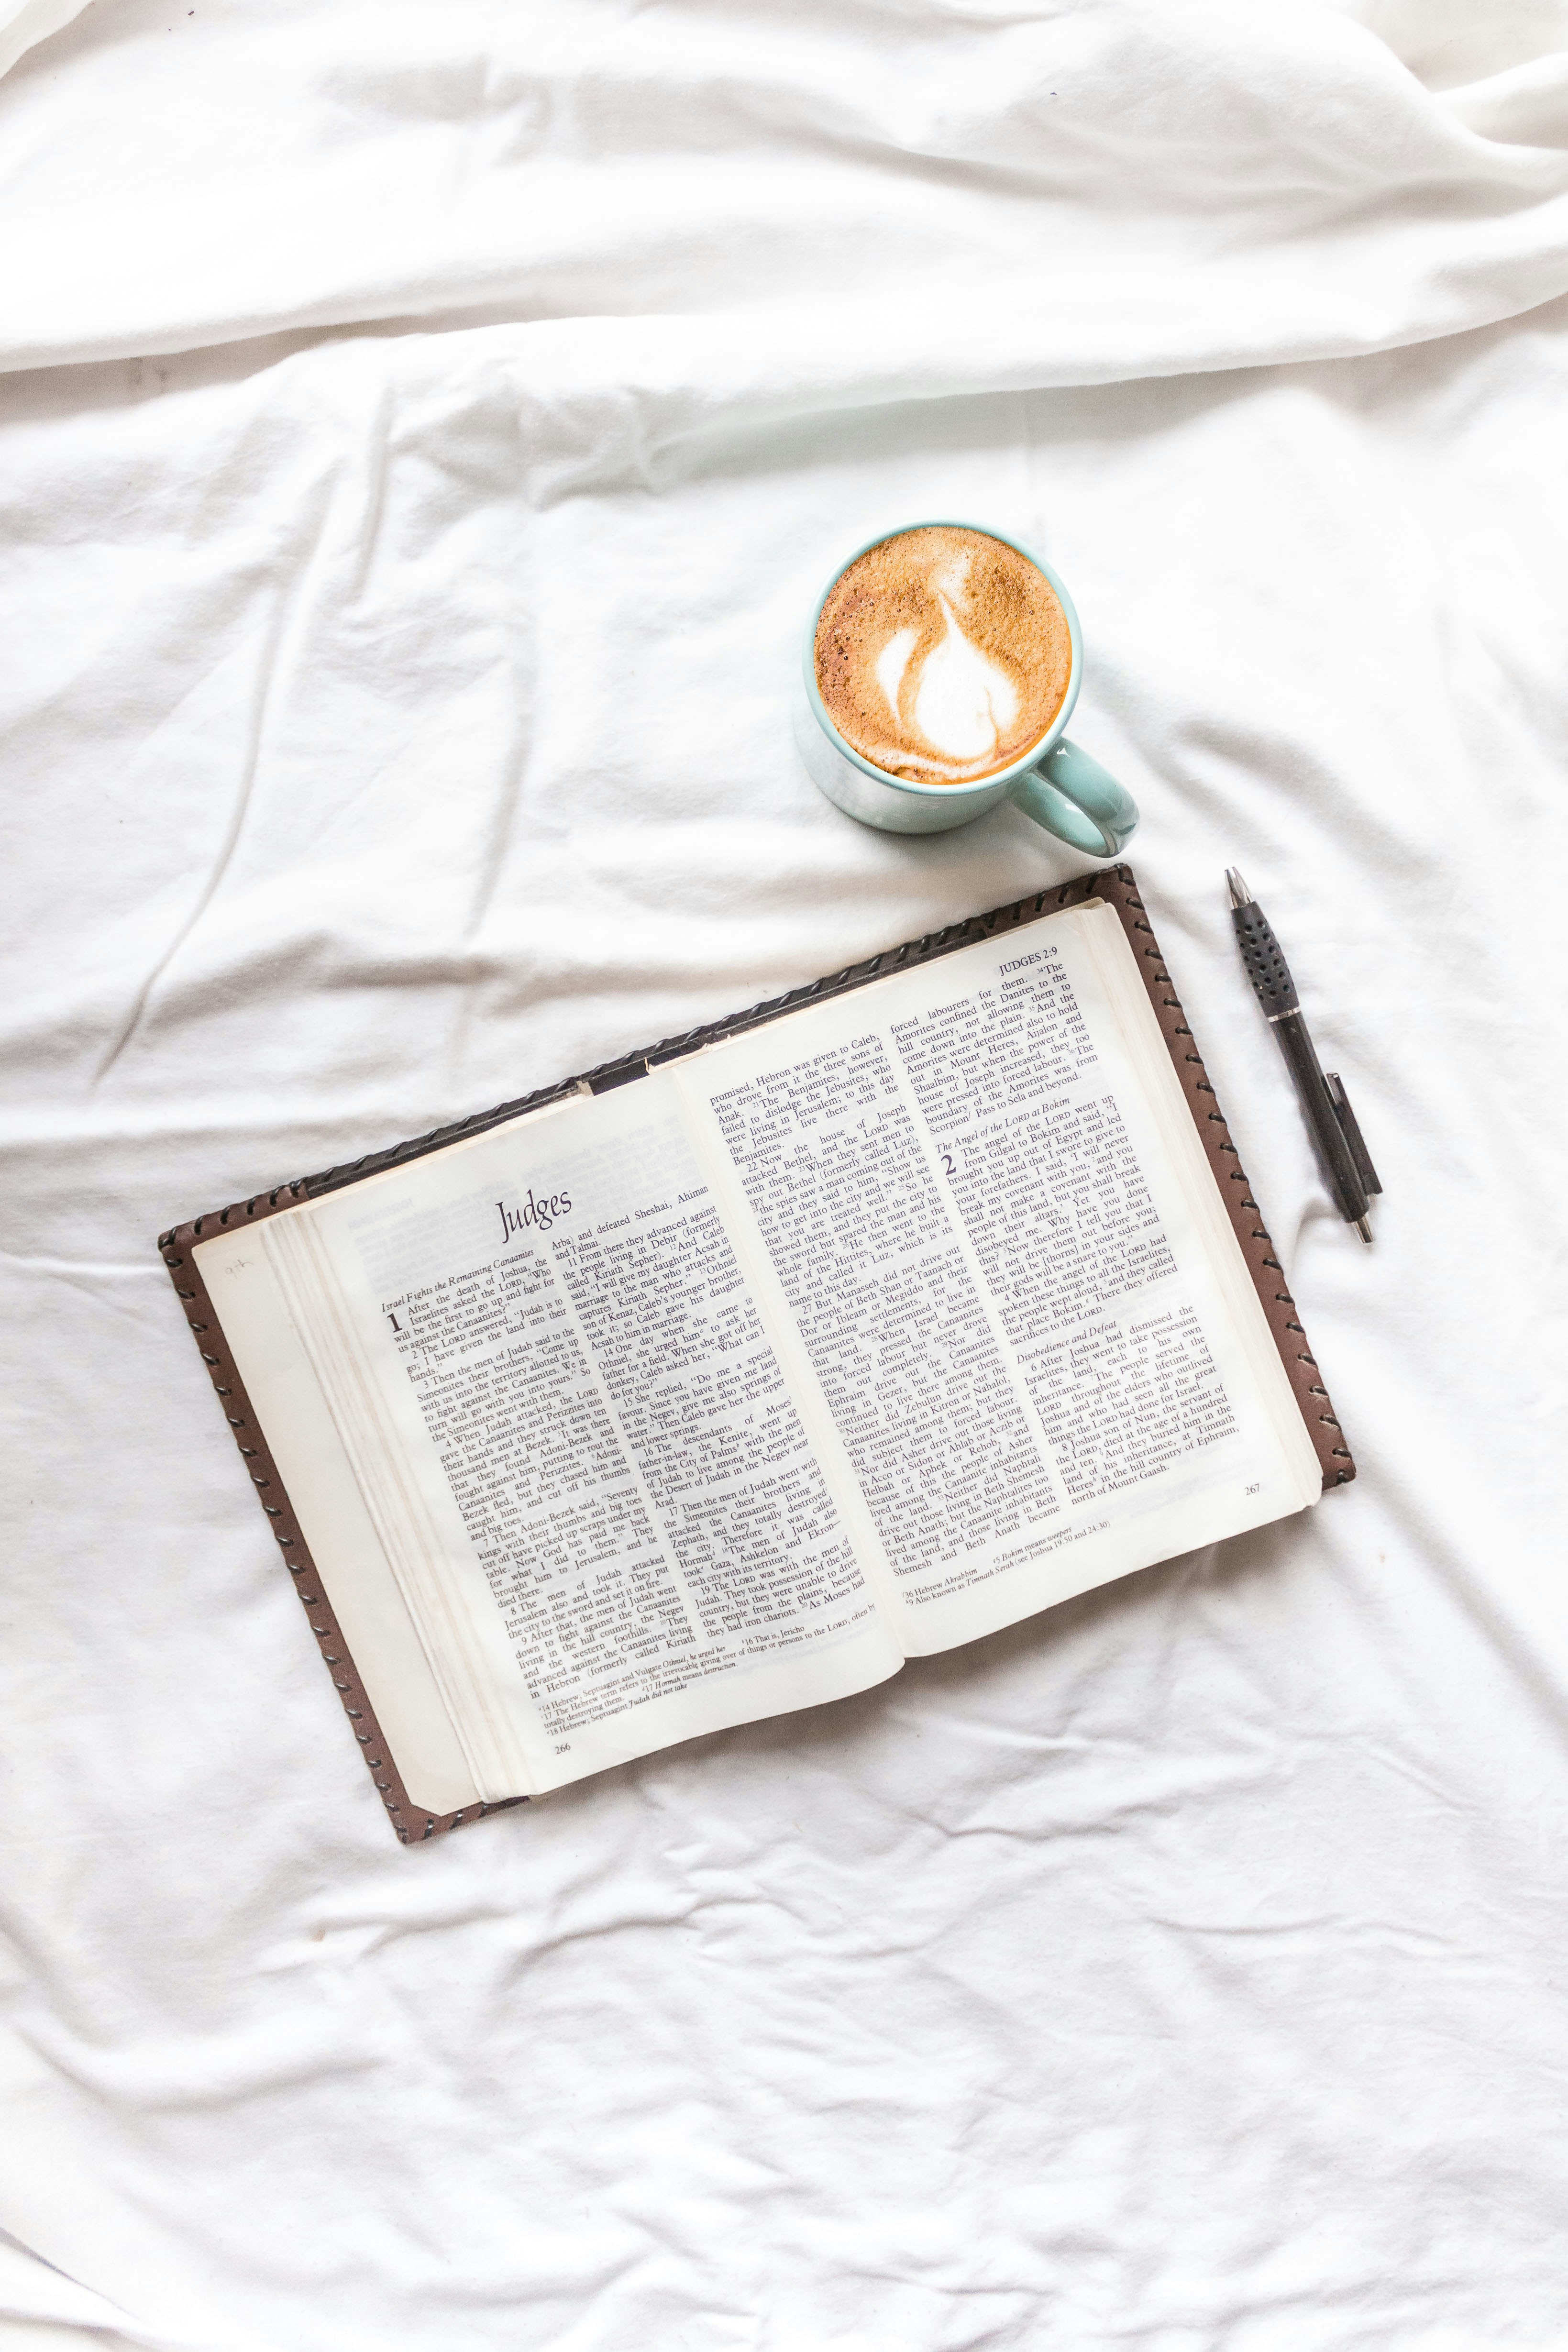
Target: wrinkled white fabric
column 25, row 23
column 422, row 433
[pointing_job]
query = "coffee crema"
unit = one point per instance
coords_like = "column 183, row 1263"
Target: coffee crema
column 943, row 655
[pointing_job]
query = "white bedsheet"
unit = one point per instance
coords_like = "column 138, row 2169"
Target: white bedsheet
column 423, row 429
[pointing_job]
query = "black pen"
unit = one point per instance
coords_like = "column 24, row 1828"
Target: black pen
column 1336, row 1138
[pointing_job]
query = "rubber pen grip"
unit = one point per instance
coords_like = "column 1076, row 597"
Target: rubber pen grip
column 1266, row 966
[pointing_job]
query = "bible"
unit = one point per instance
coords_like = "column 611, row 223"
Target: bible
column 720, row 1382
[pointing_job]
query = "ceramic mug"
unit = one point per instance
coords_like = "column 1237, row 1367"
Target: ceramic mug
column 1054, row 782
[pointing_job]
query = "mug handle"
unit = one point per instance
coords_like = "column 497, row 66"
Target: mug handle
column 1078, row 800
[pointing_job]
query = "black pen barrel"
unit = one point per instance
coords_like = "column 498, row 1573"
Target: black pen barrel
column 1335, row 1157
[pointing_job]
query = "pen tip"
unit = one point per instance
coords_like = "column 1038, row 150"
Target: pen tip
column 1240, row 896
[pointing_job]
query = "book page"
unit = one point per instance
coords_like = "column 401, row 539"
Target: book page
column 572, row 1431
column 977, row 1195
column 350, row 1561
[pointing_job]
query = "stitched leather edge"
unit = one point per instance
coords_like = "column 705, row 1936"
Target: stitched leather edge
column 1117, row 886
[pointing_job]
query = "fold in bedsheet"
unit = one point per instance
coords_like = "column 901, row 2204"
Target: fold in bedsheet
column 421, row 433
column 837, row 202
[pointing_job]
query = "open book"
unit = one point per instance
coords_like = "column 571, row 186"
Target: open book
column 723, row 1386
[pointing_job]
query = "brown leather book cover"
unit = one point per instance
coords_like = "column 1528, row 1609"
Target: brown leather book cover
column 1115, row 883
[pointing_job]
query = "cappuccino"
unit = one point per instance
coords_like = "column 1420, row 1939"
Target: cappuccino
column 943, row 655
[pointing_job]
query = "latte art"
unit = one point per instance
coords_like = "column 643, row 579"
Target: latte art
column 943, row 655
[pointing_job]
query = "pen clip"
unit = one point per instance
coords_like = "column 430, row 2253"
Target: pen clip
column 1351, row 1130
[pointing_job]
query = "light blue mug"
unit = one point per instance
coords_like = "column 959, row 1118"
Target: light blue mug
column 1054, row 782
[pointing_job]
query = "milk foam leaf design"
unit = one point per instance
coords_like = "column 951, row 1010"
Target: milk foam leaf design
column 964, row 703
column 941, row 654
column 891, row 663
